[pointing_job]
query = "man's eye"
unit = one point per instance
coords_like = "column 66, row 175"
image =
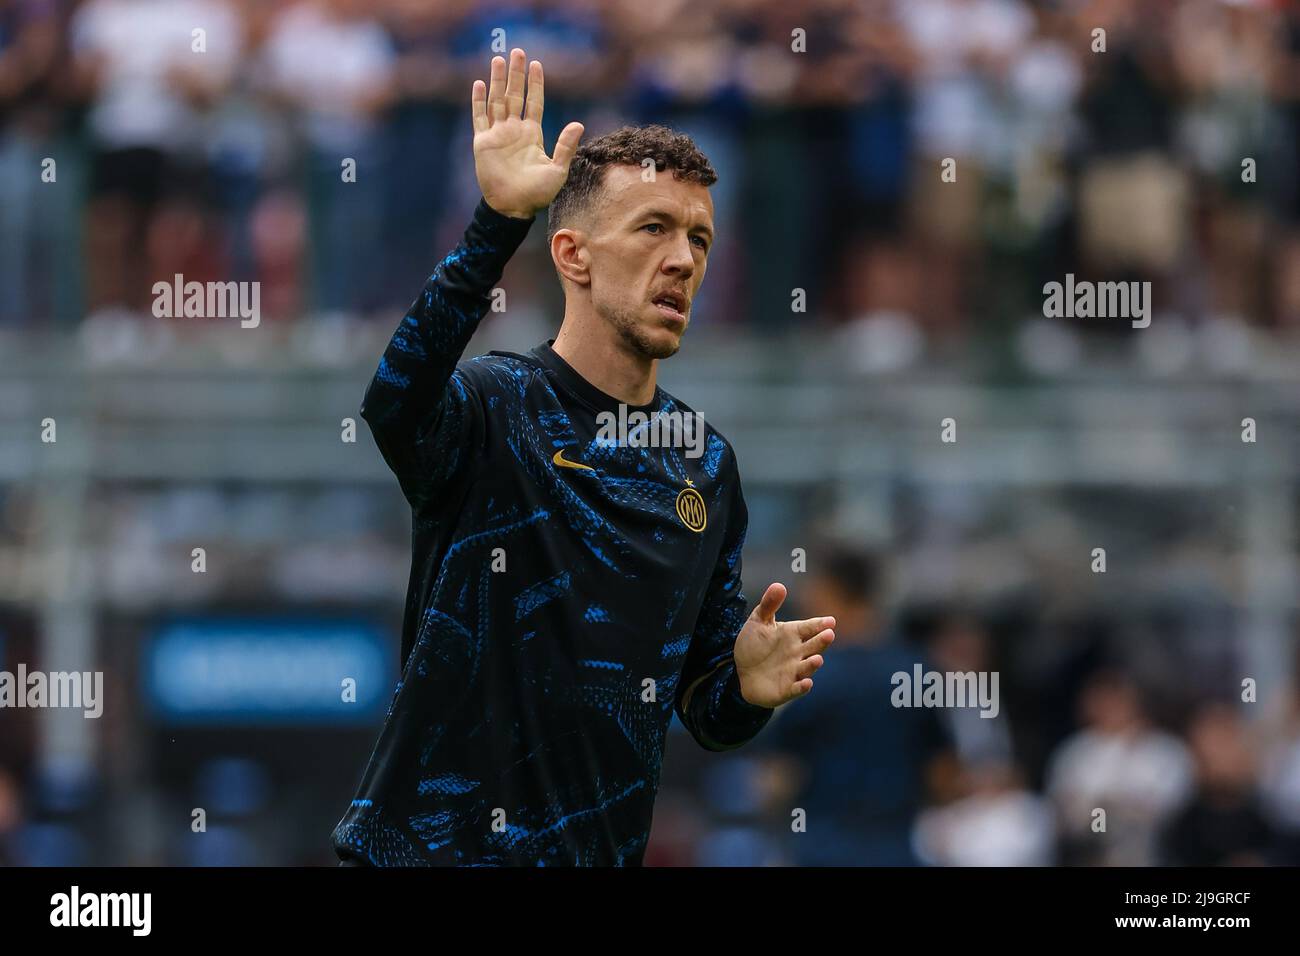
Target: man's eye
column 702, row 243
column 652, row 225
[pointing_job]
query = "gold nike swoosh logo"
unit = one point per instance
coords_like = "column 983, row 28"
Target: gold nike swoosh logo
column 558, row 459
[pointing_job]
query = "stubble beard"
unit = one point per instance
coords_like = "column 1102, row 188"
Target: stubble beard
column 635, row 338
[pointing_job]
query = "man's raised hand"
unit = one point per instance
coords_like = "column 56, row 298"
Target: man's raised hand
column 515, row 174
column 775, row 660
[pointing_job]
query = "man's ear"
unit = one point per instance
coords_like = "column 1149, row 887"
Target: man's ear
column 570, row 255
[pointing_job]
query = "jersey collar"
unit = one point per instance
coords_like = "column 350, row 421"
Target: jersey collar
column 583, row 390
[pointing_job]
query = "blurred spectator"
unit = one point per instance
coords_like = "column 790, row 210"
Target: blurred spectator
column 1222, row 824
column 153, row 70
column 1121, row 764
column 954, row 642
column 32, row 42
column 333, row 64
column 252, row 155
column 1280, row 773
column 999, row 823
column 859, row 767
column 426, row 116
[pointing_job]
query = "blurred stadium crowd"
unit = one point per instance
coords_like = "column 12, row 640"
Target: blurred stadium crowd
column 1124, row 165
column 225, row 164
column 1088, row 721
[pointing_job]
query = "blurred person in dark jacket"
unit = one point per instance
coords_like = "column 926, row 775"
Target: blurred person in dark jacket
column 954, row 640
column 860, row 768
column 1222, row 824
column 1279, row 778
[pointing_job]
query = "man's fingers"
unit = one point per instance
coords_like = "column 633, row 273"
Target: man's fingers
column 801, row 687
column 567, row 144
column 809, row 667
column 478, row 106
column 536, row 93
column 813, row 626
column 772, row 600
column 515, row 84
column 496, row 96
column 817, row 643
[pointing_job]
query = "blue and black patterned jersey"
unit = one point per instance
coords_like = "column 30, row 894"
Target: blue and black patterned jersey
column 568, row 594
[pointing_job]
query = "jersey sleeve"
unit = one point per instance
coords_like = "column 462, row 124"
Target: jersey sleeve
column 708, row 700
column 423, row 413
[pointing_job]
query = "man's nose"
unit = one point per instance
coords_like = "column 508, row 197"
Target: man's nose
column 679, row 260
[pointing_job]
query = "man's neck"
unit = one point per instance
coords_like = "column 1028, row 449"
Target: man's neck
column 602, row 361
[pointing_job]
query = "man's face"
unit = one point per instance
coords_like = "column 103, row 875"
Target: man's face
column 649, row 243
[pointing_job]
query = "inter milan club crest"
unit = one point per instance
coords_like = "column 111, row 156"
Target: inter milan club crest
column 690, row 508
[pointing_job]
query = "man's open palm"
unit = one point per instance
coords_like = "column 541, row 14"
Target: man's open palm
column 515, row 174
column 775, row 660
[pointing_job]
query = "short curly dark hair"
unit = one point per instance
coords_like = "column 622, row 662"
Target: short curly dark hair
column 625, row 146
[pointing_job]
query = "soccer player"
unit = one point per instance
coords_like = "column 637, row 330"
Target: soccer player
column 567, row 592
